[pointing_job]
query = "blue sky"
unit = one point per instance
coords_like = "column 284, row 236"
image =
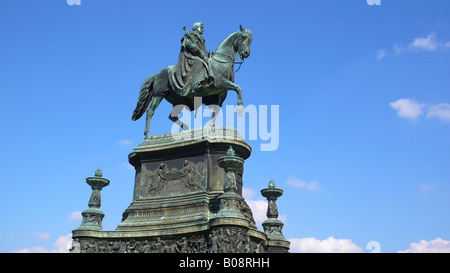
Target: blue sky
column 363, row 93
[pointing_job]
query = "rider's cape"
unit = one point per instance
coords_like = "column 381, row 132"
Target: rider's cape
column 191, row 72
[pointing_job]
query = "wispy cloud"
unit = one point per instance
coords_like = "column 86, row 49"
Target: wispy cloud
column 398, row 49
column 425, row 187
column 35, row 249
column 42, row 235
column 124, row 142
column 411, row 109
column 381, row 54
column 429, row 185
column 312, row 186
column 441, row 111
column 428, row 43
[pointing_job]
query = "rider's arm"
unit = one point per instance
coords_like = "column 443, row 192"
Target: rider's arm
column 193, row 48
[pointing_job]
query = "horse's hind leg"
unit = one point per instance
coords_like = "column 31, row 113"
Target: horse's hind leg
column 150, row 111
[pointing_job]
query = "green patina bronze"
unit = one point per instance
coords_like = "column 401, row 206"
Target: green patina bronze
column 197, row 74
column 272, row 226
column 93, row 217
column 187, row 195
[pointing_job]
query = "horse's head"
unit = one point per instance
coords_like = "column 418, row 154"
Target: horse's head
column 243, row 43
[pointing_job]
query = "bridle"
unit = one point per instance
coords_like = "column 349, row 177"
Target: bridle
column 232, row 59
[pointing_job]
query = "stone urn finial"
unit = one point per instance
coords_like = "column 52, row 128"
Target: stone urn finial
column 93, row 216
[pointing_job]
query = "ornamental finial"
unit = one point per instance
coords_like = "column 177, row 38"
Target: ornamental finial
column 98, row 172
column 230, row 152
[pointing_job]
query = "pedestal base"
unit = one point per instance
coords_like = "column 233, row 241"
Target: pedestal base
column 275, row 238
column 176, row 200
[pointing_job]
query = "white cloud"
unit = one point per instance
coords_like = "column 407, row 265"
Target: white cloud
column 124, row 142
column 441, row 111
column 312, row 186
column 434, row 246
column 248, row 193
column 410, row 109
column 42, row 235
column 407, row 108
column 429, row 43
column 258, row 207
column 329, row 245
column 259, row 210
column 62, row 244
column 76, row 215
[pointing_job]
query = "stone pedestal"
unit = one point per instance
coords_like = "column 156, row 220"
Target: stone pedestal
column 178, row 180
column 187, row 198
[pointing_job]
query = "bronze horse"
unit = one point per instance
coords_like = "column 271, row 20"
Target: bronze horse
column 157, row 86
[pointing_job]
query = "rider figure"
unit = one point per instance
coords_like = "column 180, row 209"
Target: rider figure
column 194, row 42
column 192, row 70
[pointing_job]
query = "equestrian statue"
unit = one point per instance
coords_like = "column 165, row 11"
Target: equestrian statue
column 197, row 74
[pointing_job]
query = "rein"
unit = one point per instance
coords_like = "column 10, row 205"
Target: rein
column 232, row 59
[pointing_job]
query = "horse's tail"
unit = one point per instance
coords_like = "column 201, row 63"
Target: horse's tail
column 145, row 96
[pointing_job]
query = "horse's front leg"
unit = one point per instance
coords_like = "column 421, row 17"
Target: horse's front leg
column 229, row 85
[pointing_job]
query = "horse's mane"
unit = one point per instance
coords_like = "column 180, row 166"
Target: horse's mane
column 224, row 41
